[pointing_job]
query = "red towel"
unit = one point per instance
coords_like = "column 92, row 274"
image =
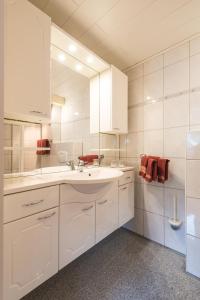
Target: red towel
column 163, row 167
column 143, row 166
column 151, row 173
column 88, row 159
column 43, row 143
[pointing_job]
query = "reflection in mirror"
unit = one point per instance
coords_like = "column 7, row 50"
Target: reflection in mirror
column 20, row 147
column 69, row 131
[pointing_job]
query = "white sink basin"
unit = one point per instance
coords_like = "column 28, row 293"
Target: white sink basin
column 91, row 176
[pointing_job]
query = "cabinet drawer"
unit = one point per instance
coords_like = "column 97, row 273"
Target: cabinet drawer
column 23, row 204
column 126, row 178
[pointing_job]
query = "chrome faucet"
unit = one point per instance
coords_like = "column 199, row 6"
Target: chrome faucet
column 81, row 164
column 71, row 164
column 101, row 157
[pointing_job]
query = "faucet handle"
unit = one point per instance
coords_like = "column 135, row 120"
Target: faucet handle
column 81, row 162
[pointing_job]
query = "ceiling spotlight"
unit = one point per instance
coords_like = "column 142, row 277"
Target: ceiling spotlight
column 90, row 59
column 61, row 57
column 72, row 48
column 79, row 67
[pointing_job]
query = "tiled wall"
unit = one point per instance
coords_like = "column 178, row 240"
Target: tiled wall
column 193, row 203
column 164, row 104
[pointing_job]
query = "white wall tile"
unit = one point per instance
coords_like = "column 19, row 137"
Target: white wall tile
column 175, row 239
column 136, row 224
column 193, row 145
column 193, row 257
column 169, row 203
column 153, row 142
column 195, row 46
column 153, row 116
column 176, row 173
column 176, row 54
column 193, row 216
column 153, row 199
column 195, row 108
column 153, row 65
column 135, row 91
column 135, row 143
column 176, row 111
column 195, row 71
column 136, row 118
column 192, row 179
column 176, row 77
column 139, row 195
column 154, row 227
column 175, row 142
column 153, row 86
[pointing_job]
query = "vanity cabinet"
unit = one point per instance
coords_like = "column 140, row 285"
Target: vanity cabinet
column 107, row 213
column 109, row 94
column 77, row 230
column 30, row 253
column 126, row 203
column 126, row 198
column 27, row 62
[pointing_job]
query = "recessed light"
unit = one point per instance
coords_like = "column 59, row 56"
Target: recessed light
column 72, row 48
column 61, row 57
column 90, row 59
column 76, row 113
column 148, row 98
column 79, row 67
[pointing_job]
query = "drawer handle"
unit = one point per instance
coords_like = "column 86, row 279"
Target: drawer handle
column 87, row 208
column 124, row 188
column 128, row 177
column 47, row 216
column 32, row 203
column 37, row 112
column 116, row 128
column 102, row 202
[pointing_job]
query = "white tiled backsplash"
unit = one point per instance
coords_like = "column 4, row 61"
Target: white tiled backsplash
column 164, row 104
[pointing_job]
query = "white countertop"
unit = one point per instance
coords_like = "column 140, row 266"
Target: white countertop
column 24, row 183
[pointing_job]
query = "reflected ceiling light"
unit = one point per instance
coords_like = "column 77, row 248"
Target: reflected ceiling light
column 148, row 98
column 76, row 113
column 72, row 48
column 79, row 67
column 61, row 57
column 90, row 59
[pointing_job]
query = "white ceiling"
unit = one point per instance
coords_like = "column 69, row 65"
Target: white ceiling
column 124, row 32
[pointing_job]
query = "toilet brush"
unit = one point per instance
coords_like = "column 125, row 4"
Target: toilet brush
column 174, row 222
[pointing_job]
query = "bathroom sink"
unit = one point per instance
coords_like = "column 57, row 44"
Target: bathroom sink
column 91, row 176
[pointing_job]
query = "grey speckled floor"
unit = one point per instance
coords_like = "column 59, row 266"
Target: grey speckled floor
column 123, row 266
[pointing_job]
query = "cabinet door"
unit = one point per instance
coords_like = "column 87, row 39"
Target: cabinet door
column 27, row 61
column 77, row 230
column 30, row 253
column 126, row 203
column 107, row 214
column 119, row 101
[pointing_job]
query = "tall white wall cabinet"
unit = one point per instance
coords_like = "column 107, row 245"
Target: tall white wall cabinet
column 27, row 62
column 109, row 95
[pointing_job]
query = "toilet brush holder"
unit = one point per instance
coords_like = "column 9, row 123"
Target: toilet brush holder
column 174, row 222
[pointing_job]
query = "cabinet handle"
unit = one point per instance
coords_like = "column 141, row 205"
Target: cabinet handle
column 116, row 128
column 124, row 188
column 129, row 177
column 37, row 112
column 102, row 202
column 47, row 216
column 87, row 208
column 32, row 203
